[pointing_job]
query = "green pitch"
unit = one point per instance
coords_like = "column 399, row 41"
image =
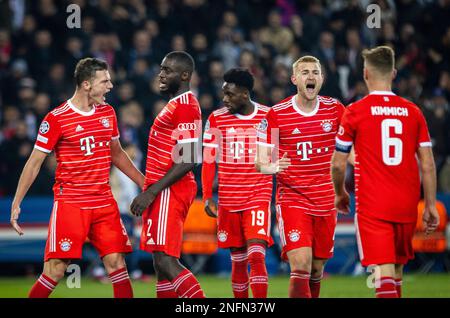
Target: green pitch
column 430, row 285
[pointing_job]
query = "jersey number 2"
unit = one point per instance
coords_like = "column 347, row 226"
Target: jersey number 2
column 387, row 142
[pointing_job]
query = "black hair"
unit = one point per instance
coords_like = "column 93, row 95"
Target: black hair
column 184, row 59
column 240, row 77
column 86, row 68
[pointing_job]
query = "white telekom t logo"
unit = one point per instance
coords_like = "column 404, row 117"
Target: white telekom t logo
column 237, row 148
column 87, row 144
column 303, row 148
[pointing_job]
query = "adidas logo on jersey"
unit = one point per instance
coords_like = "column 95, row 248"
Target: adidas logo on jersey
column 150, row 241
column 79, row 128
column 262, row 232
column 232, row 130
column 296, row 131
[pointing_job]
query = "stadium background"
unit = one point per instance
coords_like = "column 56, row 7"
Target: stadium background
column 38, row 53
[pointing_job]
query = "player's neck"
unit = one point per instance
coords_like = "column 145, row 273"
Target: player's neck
column 183, row 89
column 379, row 86
column 304, row 104
column 82, row 102
column 247, row 109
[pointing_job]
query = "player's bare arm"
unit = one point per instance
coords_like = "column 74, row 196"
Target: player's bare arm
column 178, row 170
column 338, row 167
column 208, row 175
column 264, row 164
column 29, row 174
column 122, row 161
column 428, row 172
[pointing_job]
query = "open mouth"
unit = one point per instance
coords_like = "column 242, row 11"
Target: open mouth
column 310, row 87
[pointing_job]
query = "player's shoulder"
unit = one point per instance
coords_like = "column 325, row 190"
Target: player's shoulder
column 105, row 108
column 263, row 108
column 285, row 103
column 222, row 111
column 328, row 100
column 59, row 110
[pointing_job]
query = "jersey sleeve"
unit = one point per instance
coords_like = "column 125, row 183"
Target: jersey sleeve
column 340, row 111
column 115, row 132
column 267, row 130
column 211, row 136
column 187, row 123
column 48, row 135
column 424, row 139
column 346, row 132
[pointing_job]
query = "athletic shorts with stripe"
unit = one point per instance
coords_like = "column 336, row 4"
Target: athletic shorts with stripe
column 234, row 229
column 383, row 242
column 163, row 220
column 70, row 227
column 298, row 229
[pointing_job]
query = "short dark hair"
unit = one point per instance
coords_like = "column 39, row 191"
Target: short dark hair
column 382, row 58
column 86, row 68
column 240, row 77
column 184, row 59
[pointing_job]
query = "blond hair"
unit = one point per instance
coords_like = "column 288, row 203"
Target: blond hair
column 382, row 58
column 305, row 59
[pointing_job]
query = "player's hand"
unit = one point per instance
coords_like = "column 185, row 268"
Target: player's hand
column 141, row 202
column 283, row 163
column 342, row 203
column 430, row 219
column 211, row 208
column 15, row 211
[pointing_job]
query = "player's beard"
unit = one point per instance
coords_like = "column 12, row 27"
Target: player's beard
column 171, row 89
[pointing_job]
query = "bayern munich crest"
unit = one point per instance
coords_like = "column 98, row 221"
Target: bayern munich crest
column 65, row 244
column 222, row 236
column 327, row 125
column 105, row 122
column 294, row 235
column 263, row 125
column 44, row 128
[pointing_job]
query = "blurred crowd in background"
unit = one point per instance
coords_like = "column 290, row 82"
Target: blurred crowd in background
column 38, row 54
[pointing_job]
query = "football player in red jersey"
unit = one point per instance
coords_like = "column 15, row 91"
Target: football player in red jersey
column 387, row 133
column 84, row 135
column 302, row 129
column 170, row 187
column 244, row 193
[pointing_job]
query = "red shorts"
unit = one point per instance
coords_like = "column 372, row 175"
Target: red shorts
column 298, row 229
column 163, row 220
column 70, row 226
column 236, row 228
column 383, row 242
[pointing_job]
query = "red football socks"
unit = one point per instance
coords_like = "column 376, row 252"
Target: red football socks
column 121, row 283
column 164, row 289
column 398, row 287
column 239, row 274
column 386, row 288
column 187, row 286
column 314, row 286
column 258, row 272
column 299, row 285
column 43, row 287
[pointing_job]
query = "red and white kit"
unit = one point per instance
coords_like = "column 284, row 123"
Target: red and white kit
column 305, row 195
column 84, row 205
column 177, row 125
column 244, row 193
column 387, row 183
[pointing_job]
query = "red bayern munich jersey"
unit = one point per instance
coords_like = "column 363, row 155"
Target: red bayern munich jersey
column 309, row 141
column 179, row 122
column 81, row 141
column 386, row 131
column 241, row 187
